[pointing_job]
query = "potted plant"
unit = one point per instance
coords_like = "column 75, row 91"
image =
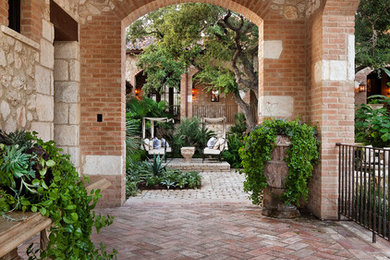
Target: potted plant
column 278, row 158
column 189, row 137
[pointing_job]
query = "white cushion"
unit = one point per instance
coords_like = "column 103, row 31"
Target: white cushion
column 156, row 143
column 211, row 151
column 219, row 143
column 146, row 144
column 222, row 145
column 157, row 151
column 211, row 142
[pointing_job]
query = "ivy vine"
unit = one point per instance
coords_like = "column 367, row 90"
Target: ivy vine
column 302, row 156
column 35, row 176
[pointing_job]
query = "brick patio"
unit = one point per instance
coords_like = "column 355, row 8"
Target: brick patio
column 168, row 225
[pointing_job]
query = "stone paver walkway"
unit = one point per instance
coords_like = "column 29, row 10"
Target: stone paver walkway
column 219, row 222
column 216, row 186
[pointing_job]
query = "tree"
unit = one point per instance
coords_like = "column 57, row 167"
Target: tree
column 372, row 30
column 221, row 44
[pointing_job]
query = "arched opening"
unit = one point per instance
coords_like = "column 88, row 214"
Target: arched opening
column 377, row 83
column 297, row 78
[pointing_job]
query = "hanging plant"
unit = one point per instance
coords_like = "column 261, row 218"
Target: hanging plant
column 35, row 176
column 302, row 155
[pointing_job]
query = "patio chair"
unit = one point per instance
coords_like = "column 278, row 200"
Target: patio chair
column 149, row 145
column 217, row 147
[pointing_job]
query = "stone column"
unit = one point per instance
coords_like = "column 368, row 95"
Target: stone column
column 67, row 99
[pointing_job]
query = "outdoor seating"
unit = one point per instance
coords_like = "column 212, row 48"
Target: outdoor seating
column 153, row 145
column 215, row 145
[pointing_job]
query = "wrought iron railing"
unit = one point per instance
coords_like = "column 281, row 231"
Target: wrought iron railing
column 364, row 187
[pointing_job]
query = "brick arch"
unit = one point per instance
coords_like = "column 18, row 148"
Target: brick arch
column 134, row 13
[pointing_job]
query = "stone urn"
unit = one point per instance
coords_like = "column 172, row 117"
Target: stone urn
column 276, row 172
column 187, row 152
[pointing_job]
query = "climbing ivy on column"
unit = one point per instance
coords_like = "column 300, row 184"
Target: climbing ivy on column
column 302, row 155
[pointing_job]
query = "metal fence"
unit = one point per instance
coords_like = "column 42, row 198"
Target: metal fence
column 364, row 187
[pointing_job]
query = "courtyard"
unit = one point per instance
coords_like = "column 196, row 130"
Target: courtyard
column 219, row 222
column 142, row 111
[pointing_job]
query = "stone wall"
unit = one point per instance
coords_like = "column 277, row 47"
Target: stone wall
column 67, row 98
column 26, row 71
column 131, row 69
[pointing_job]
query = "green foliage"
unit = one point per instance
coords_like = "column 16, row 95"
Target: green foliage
column 372, row 23
column 302, row 155
column 36, row 177
column 132, row 135
column 139, row 175
column 157, row 167
column 147, row 107
column 372, row 125
column 235, row 139
column 221, row 44
column 240, row 126
column 190, row 132
column 232, row 156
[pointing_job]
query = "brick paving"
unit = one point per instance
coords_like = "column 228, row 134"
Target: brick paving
column 218, row 222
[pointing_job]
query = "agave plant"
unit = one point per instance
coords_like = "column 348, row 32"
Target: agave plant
column 157, row 166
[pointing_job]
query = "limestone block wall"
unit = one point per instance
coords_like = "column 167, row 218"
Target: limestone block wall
column 26, row 74
column 131, row 69
column 67, row 98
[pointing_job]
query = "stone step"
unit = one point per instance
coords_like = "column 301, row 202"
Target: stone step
column 198, row 165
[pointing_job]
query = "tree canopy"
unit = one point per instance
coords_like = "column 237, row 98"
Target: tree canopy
column 372, row 30
column 221, row 44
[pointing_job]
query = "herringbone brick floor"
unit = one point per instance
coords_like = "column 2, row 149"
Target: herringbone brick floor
column 218, row 222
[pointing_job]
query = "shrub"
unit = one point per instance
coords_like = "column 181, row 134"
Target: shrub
column 155, row 175
column 302, row 155
column 35, row 176
column 235, row 139
column 372, row 125
column 190, row 132
column 232, row 156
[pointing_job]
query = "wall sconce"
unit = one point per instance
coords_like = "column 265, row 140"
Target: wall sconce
column 362, row 87
column 214, row 96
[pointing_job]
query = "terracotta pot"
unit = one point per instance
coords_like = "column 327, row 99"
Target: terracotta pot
column 187, row 152
column 276, row 172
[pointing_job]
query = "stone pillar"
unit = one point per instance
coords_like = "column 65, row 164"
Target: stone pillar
column 44, row 83
column 186, row 93
column 67, row 99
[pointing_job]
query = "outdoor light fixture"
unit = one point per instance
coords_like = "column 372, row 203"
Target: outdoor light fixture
column 214, row 96
column 362, row 87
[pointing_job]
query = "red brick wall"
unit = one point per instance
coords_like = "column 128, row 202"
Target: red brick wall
column 4, row 12
column 332, row 102
column 286, row 76
column 101, row 91
column 31, row 18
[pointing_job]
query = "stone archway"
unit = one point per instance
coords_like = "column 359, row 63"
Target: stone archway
column 308, row 54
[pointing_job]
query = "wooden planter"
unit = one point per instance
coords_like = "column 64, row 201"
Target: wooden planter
column 276, row 172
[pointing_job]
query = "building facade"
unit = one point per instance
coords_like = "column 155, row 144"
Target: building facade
column 62, row 73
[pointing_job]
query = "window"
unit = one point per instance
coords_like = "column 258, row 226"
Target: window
column 14, row 14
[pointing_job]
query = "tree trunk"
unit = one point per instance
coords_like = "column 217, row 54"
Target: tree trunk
column 246, row 109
